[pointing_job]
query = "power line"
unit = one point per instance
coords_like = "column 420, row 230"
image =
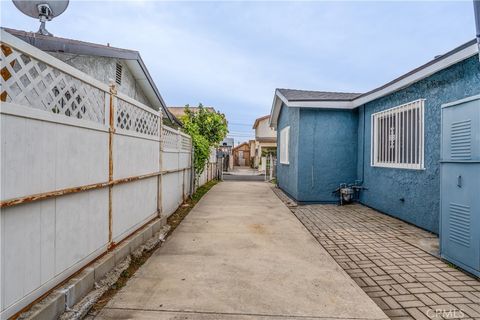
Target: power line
column 238, row 131
column 240, row 124
column 239, row 135
column 241, row 132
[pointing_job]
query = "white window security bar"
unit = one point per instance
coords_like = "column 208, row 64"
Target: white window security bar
column 398, row 136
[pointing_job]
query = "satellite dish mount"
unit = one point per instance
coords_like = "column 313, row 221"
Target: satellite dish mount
column 44, row 10
column 44, row 14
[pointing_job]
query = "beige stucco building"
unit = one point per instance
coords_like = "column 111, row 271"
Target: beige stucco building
column 265, row 140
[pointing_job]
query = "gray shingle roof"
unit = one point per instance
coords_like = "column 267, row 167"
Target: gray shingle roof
column 305, row 95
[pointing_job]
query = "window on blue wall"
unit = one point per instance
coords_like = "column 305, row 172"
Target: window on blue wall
column 398, row 136
column 284, row 141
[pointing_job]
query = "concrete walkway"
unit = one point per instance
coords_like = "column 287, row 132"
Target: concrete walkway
column 241, row 254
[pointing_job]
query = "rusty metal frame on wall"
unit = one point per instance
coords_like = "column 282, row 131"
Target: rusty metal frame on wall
column 61, row 192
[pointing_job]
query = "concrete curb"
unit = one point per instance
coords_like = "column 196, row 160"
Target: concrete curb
column 68, row 295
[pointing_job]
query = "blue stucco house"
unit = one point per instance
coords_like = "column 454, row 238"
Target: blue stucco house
column 388, row 139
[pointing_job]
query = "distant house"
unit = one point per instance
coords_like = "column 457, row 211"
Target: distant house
column 241, row 155
column 265, row 139
column 104, row 63
column 388, row 139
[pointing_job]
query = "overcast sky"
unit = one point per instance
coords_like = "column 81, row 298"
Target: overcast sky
column 232, row 55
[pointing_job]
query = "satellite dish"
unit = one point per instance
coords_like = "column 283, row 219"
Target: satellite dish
column 44, row 10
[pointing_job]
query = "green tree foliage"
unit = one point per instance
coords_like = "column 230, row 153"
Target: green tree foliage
column 207, row 129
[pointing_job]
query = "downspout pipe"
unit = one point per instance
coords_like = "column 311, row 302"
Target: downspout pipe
column 476, row 8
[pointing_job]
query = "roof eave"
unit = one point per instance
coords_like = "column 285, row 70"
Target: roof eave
column 257, row 121
column 266, row 139
column 64, row 45
column 275, row 110
column 323, row 104
column 450, row 58
column 241, row 144
column 167, row 112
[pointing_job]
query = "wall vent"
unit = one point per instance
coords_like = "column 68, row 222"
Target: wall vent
column 118, row 74
column 461, row 140
column 459, row 221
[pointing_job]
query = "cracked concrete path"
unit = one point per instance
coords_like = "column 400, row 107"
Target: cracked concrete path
column 241, row 254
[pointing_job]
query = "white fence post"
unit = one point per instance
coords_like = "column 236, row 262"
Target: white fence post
column 192, row 169
column 271, row 167
column 160, row 167
column 111, row 131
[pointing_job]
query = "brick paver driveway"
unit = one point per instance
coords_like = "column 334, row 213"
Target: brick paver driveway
column 405, row 281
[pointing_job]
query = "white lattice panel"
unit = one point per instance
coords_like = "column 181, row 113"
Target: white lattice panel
column 185, row 143
column 170, row 139
column 32, row 83
column 133, row 118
